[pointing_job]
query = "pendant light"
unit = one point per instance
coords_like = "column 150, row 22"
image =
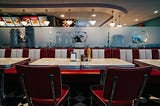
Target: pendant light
column 119, row 25
column 93, row 21
column 23, row 22
column 46, row 22
column 112, row 24
column 69, row 21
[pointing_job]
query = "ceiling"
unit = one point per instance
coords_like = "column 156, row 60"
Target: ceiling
column 81, row 10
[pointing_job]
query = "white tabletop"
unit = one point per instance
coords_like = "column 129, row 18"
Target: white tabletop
column 101, row 63
column 153, row 62
column 64, row 63
column 9, row 62
column 92, row 64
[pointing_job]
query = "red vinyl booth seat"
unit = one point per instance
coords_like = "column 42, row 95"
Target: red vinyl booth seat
column 46, row 102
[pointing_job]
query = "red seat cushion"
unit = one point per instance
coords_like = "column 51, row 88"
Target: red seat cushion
column 10, row 71
column 41, row 102
column 99, row 94
column 155, row 77
column 155, row 73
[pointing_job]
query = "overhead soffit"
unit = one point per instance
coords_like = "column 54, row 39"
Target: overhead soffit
column 103, row 10
column 143, row 9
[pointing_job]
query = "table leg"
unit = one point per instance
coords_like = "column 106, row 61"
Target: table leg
column 2, row 96
column 102, row 76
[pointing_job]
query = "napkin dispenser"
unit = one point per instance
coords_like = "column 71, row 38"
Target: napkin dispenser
column 73, row 56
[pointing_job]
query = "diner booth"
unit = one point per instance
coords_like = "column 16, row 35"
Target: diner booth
column 82, row 55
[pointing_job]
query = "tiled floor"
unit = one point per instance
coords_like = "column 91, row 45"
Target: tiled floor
column 79, row 100
column 79, row 96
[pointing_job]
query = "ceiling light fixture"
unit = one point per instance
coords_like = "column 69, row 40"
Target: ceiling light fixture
column 24, row 23
column 46, row 22
column 62, row 15
column 124, row 24
column 156, row 11
column 136, row 19
column 93, row 21
column 119, row 25
column 93, row 13
column 69, row 21
column 112, row 24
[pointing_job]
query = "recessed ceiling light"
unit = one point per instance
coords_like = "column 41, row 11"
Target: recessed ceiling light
column 156, row 11
column 136, row 19
column 62, row 15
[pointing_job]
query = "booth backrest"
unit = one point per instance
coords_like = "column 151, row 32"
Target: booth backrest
column 33, row 54
column 131, row 54
column 59, row 53
column 125, row 54
column 101, row 53
column 79, row 52
column 2, row 53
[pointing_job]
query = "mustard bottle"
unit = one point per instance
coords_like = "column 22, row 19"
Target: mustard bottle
column 88, row 53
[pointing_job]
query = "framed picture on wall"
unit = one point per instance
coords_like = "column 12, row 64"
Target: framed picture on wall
column 8, row 21
column 16, row 21
column 34, row 20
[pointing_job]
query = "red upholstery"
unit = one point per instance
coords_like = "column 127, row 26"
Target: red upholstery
column 25, row 52
column 116, row 53
column 51, row 53
column 47, row 102
column 10, row 71
column 135, row 54
column 99, row 93
column 155, row 54
column 155, row 77
column 107, row 53
column 126, row 90
column 73, row 72
column 69, row 50
column 43, row 52
column 155, row 73
column 38, row 85
column 8, row 52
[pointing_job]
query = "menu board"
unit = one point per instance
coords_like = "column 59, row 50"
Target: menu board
column 8, row 21
column 27, row 19
column 42, row 20
column 2, row 23
column 34, row 20
column 16, row 21
column 1, row 19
